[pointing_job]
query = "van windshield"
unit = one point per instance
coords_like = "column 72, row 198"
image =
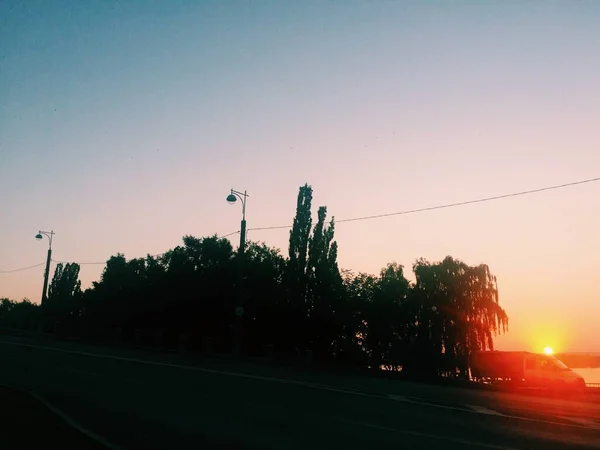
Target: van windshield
column 560, row 364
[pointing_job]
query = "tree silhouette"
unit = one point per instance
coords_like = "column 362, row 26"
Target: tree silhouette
column 296, row 272
column 388, row 323
column 22, row 315
column 324, row 288
column 64, row 298
column 458, row 313
column 302, row 304
column 265, row 298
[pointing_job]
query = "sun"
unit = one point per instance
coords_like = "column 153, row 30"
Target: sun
column 548, row 351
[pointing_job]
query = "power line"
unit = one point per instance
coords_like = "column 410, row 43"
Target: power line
column 22, row 268
column 449, row 205
column 80, row 263
column 101, row 262
column 229, row 234
column 154, row 256
column 376, row 216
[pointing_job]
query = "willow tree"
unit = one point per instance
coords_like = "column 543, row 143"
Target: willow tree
column 459, row 312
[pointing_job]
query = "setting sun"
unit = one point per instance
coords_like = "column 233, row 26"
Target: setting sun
column 548, row 351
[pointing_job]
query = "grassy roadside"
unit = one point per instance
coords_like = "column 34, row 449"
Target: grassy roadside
column 27, row 424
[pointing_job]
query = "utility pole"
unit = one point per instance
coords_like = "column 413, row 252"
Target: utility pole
column 239, row 309
column 40, row 236
column 243, row 231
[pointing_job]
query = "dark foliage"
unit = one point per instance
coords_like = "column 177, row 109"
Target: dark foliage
column 296, row 306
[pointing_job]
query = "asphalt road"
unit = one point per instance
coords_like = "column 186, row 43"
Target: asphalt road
column 142, row 400
column 27, row 423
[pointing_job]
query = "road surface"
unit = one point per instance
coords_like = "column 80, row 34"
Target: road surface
column 135, row 399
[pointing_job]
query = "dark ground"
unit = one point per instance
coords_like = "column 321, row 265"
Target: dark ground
column 139, row 399
column 26, row 423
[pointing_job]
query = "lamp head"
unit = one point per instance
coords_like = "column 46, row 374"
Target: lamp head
column 231, row 199
column 39, row 236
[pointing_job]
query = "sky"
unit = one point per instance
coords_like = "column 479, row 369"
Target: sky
column 124, row 124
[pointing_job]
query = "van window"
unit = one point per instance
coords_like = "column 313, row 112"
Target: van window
column 560, row 364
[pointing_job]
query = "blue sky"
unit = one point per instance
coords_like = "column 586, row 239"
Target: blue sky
column 124, row 124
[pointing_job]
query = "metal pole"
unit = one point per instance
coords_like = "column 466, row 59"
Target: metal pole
column 242, row 237
column 46, row 275
column 243, row 225
column 239, row 309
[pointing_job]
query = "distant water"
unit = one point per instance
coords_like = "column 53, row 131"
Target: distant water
column 589, row 375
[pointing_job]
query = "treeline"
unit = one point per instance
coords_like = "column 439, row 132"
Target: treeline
column 301, row 305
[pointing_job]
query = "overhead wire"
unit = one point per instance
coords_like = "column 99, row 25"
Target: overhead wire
column 229, row 234
column 80, row 263
column 154, row 256
column 101, row 262
column 448, row 205
column 22, row 268
column 375, row 216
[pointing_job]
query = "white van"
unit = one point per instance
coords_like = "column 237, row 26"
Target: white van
column 524, row 368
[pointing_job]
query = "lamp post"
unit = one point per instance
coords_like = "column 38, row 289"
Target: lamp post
column 39, row 237
column 239, row 309
column 231, row 199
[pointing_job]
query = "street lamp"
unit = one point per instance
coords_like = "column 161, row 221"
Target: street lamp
column 239, row 309
column 39, row 237
column 231, row 199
